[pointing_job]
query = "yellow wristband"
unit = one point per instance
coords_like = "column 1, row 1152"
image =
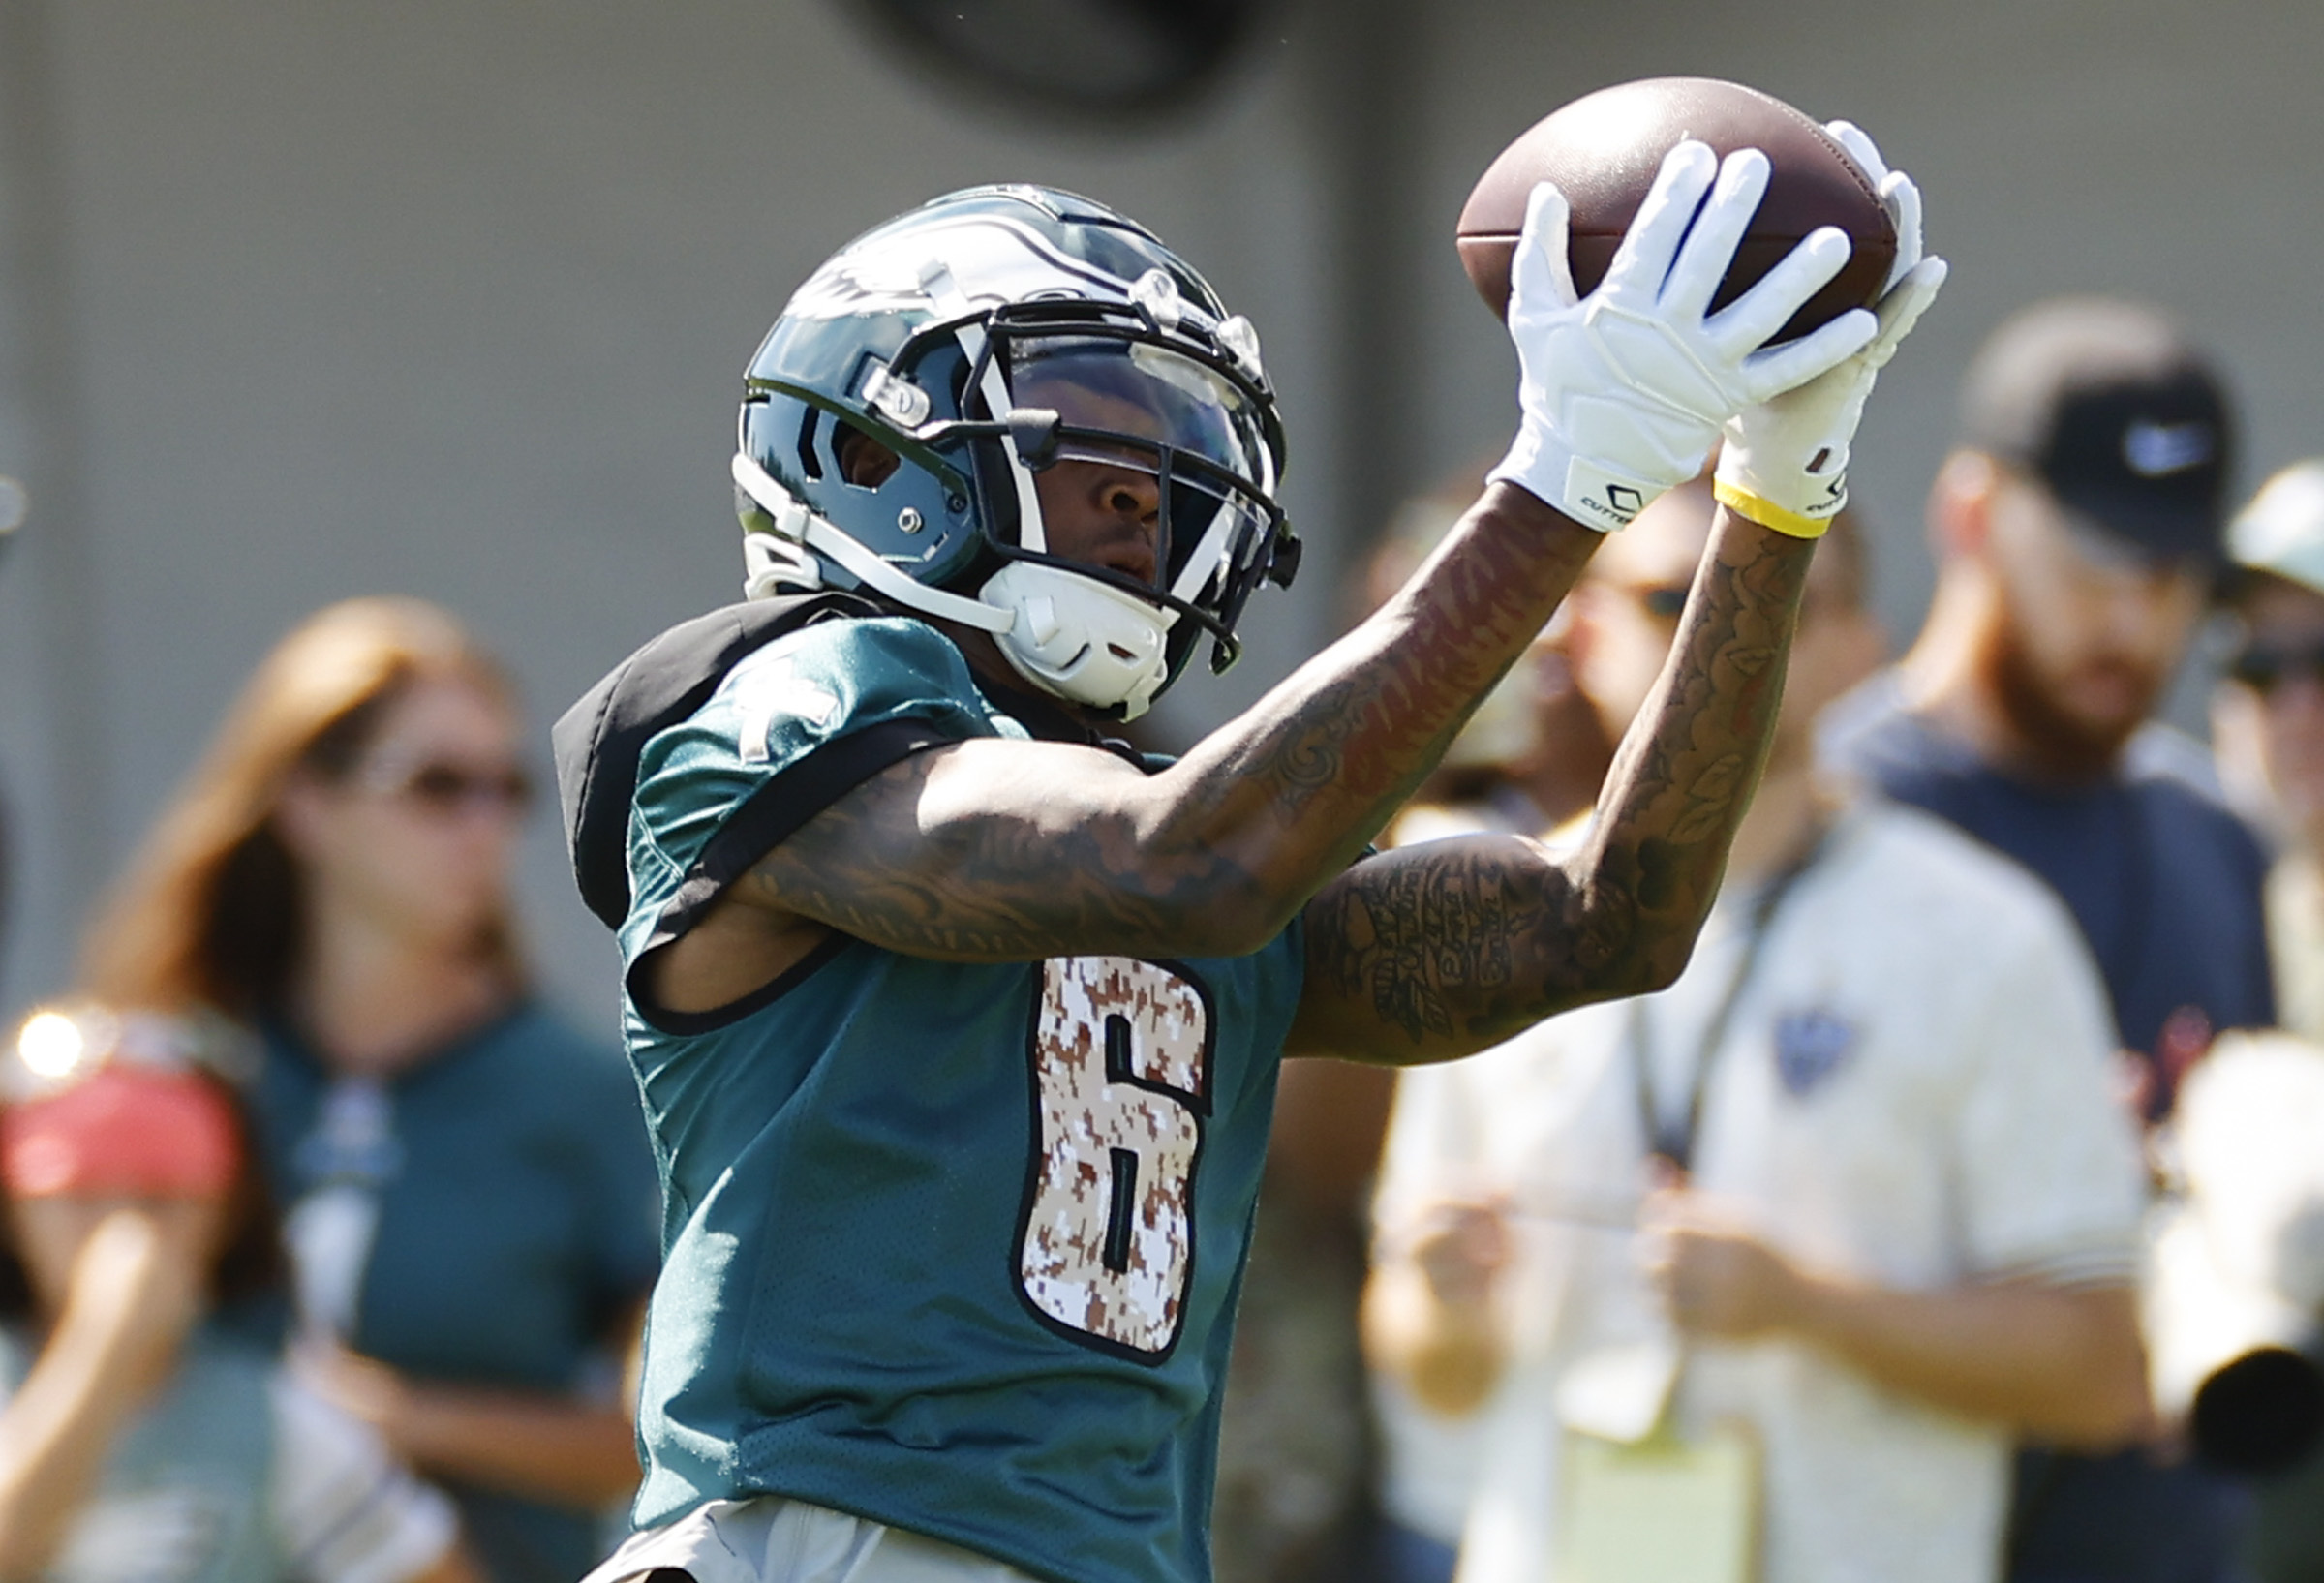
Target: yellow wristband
column 1766, row 513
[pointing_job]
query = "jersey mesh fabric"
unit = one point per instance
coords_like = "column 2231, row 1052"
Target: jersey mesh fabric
column 847, row 1314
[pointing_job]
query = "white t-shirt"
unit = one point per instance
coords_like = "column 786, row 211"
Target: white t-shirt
column 341, row 1509
column 1912, row 1092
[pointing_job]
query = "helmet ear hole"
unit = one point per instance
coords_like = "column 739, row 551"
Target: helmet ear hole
column 864, row 461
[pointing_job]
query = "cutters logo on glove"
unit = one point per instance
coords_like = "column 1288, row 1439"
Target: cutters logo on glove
column 1605, row 498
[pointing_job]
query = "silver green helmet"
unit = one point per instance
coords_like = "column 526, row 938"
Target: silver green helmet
column 979, row 340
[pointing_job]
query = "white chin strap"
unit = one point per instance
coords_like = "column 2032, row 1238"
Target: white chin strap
column 1069, row 635
column 1081, row 639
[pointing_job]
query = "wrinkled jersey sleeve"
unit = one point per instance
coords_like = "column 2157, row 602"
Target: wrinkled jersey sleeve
column 793, row 727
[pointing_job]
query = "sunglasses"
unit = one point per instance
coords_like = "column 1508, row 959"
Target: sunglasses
column 1663, row 601
column 441, row 789
column 2263, row 666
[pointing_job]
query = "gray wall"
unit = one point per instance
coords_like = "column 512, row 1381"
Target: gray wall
column 451, row 298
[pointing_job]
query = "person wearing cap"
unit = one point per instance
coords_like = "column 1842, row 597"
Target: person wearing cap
column 1852, row 1183
column 138, row 1437
column 2268, row 719
column 2268, row 723
column 2078, row 527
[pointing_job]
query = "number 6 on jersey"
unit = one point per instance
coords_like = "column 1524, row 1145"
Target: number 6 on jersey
column 1121, row 1056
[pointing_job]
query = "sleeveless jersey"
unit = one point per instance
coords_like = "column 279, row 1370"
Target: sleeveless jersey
column 183, row 1497
column 954, row 1247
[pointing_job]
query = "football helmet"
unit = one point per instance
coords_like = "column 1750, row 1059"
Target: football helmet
column 898, row 419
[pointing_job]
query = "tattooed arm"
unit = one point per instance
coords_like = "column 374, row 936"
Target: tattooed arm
column 1000, row 849
column 1444, row 948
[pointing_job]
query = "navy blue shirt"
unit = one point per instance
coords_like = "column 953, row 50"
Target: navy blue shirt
column 2164, row 880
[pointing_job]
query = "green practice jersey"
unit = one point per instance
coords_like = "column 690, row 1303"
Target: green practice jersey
column 953, row 1247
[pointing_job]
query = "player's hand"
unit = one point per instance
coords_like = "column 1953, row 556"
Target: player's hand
column 1716, row 1278
column 1784, row 464
column 1621, row 394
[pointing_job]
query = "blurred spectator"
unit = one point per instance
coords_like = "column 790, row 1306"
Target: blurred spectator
column 2268, row 719
column 2078, row 527
column 1854, row 1184
column 2254, row 1204
column 471, row 1198
column 2235, row 1289
column 140, row 1443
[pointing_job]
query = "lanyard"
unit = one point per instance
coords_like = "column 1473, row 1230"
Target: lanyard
column 1675, row 1143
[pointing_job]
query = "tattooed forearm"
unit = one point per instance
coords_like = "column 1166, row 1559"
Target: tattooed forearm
column 1032, row 876
column 1451, row 946
column 1343, row 742
column 1429, row 937
column 985, row 855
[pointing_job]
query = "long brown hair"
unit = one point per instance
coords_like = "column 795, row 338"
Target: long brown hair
column 212, row 912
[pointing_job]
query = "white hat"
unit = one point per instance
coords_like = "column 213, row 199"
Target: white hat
column 2282, row 532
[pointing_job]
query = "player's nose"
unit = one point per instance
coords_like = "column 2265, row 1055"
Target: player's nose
column 1130, row 504
column 1129, row 495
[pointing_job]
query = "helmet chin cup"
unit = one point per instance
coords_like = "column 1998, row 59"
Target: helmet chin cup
column 1080, row 639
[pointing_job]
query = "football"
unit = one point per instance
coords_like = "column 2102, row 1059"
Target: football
column 1603, row 151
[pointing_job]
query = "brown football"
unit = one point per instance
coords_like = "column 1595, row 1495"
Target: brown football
column 1603, row 149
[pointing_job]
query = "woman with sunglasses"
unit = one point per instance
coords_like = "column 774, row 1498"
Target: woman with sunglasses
column 472, row 1202
column 139, row 1437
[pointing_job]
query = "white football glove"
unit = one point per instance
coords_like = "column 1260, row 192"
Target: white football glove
column 1784, row 464
column 1621, row 394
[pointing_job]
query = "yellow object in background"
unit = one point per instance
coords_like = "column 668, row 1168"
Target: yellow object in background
column 1664, row 1509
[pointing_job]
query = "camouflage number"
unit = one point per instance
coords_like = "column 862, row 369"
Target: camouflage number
column 1120, row 1051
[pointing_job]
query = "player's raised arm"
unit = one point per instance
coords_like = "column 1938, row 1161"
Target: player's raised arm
column 987, row 850
column 1449, row 947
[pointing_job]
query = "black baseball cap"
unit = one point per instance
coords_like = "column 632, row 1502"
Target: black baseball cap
column 2108, row 406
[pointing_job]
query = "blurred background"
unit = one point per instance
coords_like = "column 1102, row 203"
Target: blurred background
column 452, row 299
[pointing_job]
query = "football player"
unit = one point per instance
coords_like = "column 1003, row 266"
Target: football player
column 956, row 1022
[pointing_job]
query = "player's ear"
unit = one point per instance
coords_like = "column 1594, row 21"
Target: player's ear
column 1961, row 506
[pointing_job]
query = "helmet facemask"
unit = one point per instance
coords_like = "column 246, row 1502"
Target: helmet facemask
column 1086, row 447
column 1127, row 493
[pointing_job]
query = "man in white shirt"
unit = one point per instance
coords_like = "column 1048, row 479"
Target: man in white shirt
column 1906, row 1228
